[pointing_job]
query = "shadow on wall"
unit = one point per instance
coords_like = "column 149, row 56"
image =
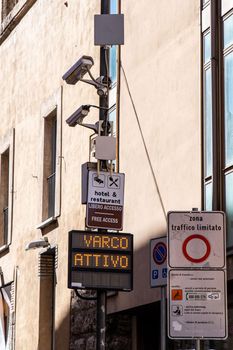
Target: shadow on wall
column 62, row 334
column 61, row 337
column 78, row 328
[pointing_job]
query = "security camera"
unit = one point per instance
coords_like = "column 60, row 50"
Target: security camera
column 78, row 70
column 40, row 243
column 78, row 116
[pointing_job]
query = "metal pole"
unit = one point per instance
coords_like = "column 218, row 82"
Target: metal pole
column 198, row 341
column 198, row 344
column 214, row 26
column 101, row 320
column 101, row 294
column 163, row 318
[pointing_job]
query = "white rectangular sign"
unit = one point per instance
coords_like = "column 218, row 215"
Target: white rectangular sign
column 158, row 258
column 105, row 200
column 197, row 304
column 196, row 240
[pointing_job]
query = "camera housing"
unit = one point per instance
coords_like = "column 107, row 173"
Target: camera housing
column 78, row 116
column 78, row 70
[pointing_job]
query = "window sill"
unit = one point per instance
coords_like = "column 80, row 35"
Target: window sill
column 47, row 222
column 14, row 17
column 4, row 248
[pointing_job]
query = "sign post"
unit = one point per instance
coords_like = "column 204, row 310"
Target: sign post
column 158, row 278
column 197, row 305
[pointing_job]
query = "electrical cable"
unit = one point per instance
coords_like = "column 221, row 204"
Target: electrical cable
column 92, row 78
column 106, row 58
column 144, row 142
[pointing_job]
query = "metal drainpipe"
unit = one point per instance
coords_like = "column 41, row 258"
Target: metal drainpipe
column 214, row 8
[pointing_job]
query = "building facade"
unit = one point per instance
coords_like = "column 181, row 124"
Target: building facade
column 171, row 108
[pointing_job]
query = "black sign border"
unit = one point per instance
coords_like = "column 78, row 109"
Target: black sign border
column 70, row 269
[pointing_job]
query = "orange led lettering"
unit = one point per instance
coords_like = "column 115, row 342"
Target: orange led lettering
column 124, row 261
column 96, row 256
column 112, row 242
column 87, row 241
column 106, row 263
column 105, row 241
column 78, row 259
column 97, row 242
column 87, row 256
column 115, row 260
column 124, row 243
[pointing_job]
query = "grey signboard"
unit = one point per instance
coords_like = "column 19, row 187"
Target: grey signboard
column 196, row 240
column 197, row 304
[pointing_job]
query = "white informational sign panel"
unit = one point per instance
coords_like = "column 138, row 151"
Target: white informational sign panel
column 158, row 258
column 196, row 240
column 197, row 304
column 105, row 200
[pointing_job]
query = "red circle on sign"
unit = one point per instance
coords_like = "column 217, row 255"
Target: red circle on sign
column 190, row 258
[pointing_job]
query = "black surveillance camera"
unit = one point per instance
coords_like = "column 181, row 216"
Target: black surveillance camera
column 78, row 116
column 78, row 70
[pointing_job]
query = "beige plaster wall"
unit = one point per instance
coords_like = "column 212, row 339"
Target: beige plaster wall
column 48, row 40
column 161, row 61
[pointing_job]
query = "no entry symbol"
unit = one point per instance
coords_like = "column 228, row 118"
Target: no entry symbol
column 160, row 253
column 191, row 240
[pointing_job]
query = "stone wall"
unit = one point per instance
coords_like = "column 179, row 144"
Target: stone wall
column 83, row 327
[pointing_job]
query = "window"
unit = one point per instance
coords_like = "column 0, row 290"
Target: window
column 207, row 112
column 51, row 159
column 49, row 178
column 218, row 115
column 228, row 123
column 4, row 195
column 6, row 189
column 113, row 73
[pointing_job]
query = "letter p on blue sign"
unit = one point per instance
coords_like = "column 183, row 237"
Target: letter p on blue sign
column 155, row 274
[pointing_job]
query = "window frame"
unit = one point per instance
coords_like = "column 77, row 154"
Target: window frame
column 9, row 22
column 220, row 169
column 226, row 169
column 8, row 143
column 114, row 93
column 53, row 103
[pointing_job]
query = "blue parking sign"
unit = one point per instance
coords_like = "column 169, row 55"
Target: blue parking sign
column 158, row 262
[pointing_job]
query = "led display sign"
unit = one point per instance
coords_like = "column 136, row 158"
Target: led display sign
column 100, row 260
